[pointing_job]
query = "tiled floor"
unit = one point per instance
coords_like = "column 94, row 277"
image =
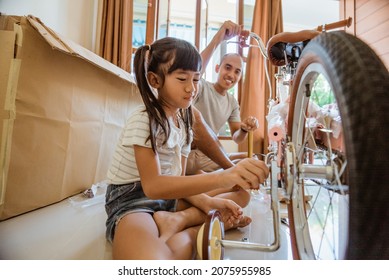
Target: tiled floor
column 260, row 231
column 74, row 229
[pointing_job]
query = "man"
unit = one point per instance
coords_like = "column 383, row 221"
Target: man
column 217, row 106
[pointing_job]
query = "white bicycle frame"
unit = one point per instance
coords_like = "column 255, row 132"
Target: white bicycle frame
column 276, row 134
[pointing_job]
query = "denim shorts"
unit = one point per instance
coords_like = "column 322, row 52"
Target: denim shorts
column 121, row 200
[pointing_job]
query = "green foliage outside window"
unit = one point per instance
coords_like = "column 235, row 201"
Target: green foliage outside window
column 321, row 92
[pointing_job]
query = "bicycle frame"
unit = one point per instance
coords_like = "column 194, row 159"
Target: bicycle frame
column 279, row 147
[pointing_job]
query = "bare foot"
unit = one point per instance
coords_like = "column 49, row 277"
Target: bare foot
column 231, row 222
column 169, row 223
column 244, row 221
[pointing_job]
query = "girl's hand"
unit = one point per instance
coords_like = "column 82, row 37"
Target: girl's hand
column 248, row 173
column 223, row 203
column 232, row 213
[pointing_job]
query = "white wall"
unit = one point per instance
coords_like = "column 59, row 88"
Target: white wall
column 77, row 19
column 308, row 14
column 74, row 19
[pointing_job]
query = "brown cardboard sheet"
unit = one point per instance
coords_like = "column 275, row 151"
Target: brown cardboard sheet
column 62, row 110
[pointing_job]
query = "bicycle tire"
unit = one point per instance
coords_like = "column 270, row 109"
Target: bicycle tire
column 360, row 83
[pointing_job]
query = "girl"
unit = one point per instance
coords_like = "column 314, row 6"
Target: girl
column 144, row 217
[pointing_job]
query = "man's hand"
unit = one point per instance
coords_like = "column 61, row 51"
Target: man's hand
column 249, row 124
column 230, row 29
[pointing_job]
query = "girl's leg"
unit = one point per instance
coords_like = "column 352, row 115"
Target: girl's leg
column 180, row 240
column 236, row 157
column 170, row 223
column 237, row 194
column 240, row 197
column 137, row 238
column 176, row 226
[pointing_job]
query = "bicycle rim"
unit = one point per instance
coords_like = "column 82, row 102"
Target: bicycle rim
column 331, row 213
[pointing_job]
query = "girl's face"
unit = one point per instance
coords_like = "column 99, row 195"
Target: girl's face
column 179, row 89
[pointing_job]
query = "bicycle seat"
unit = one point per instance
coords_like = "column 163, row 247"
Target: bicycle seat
column 277, row 45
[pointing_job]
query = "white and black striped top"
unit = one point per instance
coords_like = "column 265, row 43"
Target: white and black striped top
column 123, row 168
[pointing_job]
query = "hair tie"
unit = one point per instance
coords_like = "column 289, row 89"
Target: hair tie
column 147, row 54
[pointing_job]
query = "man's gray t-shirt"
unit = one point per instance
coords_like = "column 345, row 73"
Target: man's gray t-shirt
column 216, row 108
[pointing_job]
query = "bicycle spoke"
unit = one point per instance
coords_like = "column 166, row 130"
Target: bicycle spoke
column 321, row 212
column 327, row 165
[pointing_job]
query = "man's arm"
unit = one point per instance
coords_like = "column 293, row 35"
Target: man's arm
column 204, row 138
column 237, row 133
column 206, row 141
column 227, row 31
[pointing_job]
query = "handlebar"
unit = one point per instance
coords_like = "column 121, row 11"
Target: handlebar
column 342, row 23
column 260, row 43
column 242, row 40
column 245, row 34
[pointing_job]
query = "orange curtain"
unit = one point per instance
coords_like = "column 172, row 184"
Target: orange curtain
column 267, row 21
column 116, row 32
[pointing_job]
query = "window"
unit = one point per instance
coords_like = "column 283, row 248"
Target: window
column 177, row 19
column 196, row 21
column 139, row 23
column 219, row 11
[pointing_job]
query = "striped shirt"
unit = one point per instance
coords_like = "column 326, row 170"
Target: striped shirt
column 123, row 168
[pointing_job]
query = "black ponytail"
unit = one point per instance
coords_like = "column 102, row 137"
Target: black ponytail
column 153, row 108
column 163, row 57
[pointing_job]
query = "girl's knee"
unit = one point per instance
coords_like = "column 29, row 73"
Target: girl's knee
column 242, row 197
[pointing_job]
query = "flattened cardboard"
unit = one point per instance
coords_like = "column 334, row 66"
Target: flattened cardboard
column 63, row 110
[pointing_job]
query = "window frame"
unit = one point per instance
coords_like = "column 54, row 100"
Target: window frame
column 152, row 16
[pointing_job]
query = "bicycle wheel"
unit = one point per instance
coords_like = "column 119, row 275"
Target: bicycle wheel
column 338, row 166
column 209, row 238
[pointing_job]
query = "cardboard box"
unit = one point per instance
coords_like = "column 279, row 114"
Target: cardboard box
column 62, row 110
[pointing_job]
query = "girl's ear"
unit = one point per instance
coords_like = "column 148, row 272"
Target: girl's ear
column 154, row 80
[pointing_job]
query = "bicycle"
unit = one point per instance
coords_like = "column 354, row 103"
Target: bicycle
column 329, row 162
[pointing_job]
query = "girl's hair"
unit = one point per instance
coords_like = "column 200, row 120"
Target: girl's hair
column 162, row 58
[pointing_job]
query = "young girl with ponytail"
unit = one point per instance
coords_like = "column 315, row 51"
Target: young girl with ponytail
column 154, row 211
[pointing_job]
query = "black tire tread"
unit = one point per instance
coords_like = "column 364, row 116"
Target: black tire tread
column 361, row 86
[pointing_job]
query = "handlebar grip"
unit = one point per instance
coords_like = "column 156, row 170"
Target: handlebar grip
column 342, row 23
